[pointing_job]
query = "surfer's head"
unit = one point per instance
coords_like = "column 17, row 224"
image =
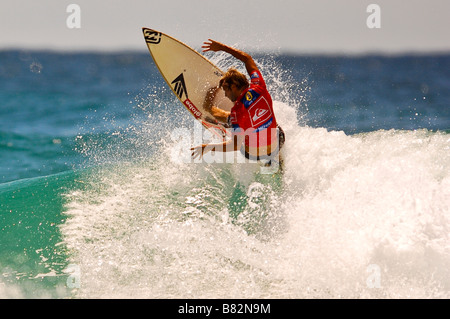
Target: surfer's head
column 233, row 83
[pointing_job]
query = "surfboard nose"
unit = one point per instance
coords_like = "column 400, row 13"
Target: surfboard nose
column 148, row 29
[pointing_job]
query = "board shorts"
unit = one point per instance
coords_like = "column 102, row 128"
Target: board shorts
column 272, row 155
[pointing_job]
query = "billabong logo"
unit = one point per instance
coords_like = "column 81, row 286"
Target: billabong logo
column 258, row 114
column 180, row 86
column 152, row 36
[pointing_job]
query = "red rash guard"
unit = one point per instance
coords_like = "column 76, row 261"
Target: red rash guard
column 252, row 114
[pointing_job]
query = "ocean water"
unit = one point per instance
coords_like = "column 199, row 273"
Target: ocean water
column 93, row 203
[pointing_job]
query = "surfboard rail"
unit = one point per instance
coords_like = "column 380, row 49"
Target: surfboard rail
column 190, row 76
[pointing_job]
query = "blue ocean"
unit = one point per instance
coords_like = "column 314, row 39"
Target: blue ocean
column 93, row 204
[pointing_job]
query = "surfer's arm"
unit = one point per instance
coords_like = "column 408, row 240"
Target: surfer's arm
column 215, row 46
column 232, row 144
column 219, row 114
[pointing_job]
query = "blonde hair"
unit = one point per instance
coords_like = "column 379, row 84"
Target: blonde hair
column 233, row 76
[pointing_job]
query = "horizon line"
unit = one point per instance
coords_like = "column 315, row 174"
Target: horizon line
column 278, row 51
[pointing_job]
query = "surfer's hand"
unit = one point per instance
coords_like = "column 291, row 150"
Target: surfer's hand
column 197, row 152
column 212, row 46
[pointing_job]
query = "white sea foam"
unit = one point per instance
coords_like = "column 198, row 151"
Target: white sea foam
column 363, row 216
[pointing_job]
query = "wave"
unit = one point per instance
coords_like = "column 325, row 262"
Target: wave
column 347, row 209
column 33, row 255
column 351, row 216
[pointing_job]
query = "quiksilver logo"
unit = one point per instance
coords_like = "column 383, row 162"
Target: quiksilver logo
column 258, row 114
column 180, row 86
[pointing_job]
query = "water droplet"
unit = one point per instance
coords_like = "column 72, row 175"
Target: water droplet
column 36, row 67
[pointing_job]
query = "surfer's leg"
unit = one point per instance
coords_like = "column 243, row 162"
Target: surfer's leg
column 281, row 140
column 281, row 137
column 274, row 162
column 281, row 162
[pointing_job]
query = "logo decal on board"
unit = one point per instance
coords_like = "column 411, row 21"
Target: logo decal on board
column 180, row 86
column 191, row 107
column 152, row 37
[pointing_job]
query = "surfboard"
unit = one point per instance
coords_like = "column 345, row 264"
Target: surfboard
column 190, row 75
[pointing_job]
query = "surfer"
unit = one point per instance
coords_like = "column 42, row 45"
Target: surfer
column 254, row 127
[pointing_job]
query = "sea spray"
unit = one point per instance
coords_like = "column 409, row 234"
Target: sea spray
column 173, row 230
column 351, row 216
column 361, row 209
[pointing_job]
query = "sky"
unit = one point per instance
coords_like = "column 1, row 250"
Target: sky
column 288, row 26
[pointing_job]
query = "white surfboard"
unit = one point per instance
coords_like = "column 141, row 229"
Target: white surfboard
column 190, row 76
